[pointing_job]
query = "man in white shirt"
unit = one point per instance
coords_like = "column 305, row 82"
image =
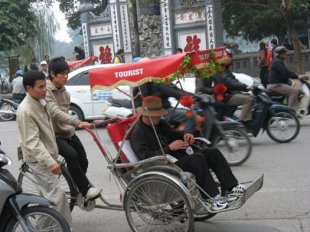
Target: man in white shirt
column 19, row 92
column 44, row 68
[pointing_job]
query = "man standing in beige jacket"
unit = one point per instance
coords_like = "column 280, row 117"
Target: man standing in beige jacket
column 38, row 143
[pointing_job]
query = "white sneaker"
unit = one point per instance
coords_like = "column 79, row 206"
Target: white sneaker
column 216, row 203
column 92, row 193
column 236, row 192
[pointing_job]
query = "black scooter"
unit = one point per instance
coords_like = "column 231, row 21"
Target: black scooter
column 280, row 121
column 25, row 212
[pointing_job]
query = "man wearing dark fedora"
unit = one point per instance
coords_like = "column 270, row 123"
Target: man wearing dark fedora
column 145, row 144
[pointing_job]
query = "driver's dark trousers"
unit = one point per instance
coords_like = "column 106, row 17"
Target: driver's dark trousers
column 74, row 153
column 199, row 164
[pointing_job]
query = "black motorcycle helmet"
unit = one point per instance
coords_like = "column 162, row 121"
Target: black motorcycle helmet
column 280, row 50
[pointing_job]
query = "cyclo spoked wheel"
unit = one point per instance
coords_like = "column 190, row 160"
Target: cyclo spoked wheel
column 39, row 218
column 7, row 116
column 238, row 147
column 28, row 184
column 283, row 127
column 156, row 203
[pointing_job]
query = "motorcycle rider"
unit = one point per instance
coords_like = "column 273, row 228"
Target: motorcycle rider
column 279, row 78
column 233, row 95
column 18, row 93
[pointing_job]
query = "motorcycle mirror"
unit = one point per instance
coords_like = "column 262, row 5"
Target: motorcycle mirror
column 4, row 160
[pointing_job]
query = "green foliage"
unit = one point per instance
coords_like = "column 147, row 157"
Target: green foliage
column 39, row 28
column 256, row 19
column 16, row 18
column 73, row 17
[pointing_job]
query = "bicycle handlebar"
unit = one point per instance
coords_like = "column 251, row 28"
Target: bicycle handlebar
column 104, row 122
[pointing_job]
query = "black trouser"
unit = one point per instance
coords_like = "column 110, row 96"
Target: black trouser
column 74, row 153
column 199, row 164
column 263, row 75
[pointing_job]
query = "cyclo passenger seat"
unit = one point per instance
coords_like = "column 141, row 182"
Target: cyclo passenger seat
column 117, row 132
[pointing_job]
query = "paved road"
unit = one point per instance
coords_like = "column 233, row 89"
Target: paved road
column 283, row 203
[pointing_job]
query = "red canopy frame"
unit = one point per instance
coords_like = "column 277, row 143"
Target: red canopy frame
column 79, row 63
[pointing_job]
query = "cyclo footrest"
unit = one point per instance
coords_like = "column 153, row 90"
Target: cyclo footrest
column 253, row 187
column 250, row 189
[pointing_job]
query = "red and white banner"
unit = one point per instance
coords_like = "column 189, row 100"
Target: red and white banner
column 135, row 74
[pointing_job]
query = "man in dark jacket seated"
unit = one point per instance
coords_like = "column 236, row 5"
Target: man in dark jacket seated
column 145, row 144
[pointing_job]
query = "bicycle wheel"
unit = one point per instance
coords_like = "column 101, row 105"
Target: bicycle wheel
column 283, row 127
column 39, row 218
column 156, row 203
column 4, row 109
column 28, row 184
column 238, row 147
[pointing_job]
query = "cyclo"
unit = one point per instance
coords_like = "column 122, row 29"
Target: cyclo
column 156, row 194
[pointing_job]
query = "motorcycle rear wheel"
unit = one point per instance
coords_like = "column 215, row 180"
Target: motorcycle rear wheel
column 39, row 218
column 283, row 127
column 238, row 147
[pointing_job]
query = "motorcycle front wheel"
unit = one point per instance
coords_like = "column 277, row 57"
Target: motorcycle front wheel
column 39, row 218
column 283, row 127
column 236, row 146
column 7, row 112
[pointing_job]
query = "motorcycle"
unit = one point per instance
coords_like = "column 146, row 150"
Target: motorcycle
column 228, row 136
column 25, row 212
column 303, row 108
column 8, row 109
column 280, row 121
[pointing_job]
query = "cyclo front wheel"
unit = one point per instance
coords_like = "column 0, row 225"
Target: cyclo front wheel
column 283, row 127
column 39, row 218
column 27, row 182
column 236, row 148
column 156, row 203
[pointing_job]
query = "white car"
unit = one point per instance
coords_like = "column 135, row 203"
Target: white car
column 84, row 104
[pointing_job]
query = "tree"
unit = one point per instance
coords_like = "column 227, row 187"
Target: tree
column 73, row 16
column 16, row 17
column 255, row 19
column 37, row 43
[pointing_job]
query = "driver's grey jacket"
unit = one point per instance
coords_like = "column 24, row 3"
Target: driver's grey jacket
column 58, row 103
column 36, row 133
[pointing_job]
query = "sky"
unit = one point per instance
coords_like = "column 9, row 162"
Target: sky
column 62, row 33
